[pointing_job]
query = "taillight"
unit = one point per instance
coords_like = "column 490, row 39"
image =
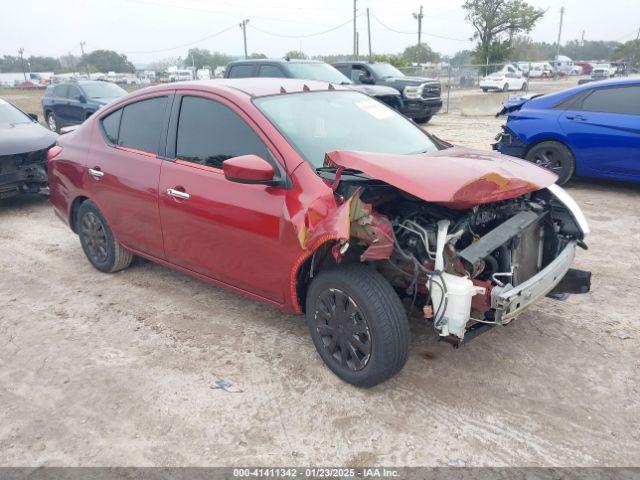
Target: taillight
column 53, row 152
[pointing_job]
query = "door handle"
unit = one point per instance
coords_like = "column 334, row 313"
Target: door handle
column 96, row 173
column 575, row 117
column 178, row 194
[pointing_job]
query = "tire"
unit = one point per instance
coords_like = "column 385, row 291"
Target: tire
column 423, row 119
column 505, row 88
column 52, row 123
column 554, row 156
column 98, row 242
column 374, row 324
column 524, row 87
column 485, row 90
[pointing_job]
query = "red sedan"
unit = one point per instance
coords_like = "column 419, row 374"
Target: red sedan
column 320, row 200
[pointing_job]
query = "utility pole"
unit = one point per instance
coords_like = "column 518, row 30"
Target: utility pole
column 419, row 16
column 21, row 51
column 355, row 34
column 86, row 65
column 243, row 26
column 582, row 41
column 369, row 34
column 638, row 35
column 559, row 32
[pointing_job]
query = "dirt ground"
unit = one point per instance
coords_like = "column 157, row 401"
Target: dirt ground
column 118, row 369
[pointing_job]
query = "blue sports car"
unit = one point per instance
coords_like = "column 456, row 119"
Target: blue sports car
column 592, row 130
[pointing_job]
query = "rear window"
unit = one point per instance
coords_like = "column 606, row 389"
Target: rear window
column 270, row 71
column 141, row 124
column 60, row 91
column 241, row 71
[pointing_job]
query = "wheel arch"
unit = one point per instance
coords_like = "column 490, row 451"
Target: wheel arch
column 73, row 211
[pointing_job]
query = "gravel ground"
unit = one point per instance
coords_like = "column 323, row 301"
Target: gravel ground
column 118, row 369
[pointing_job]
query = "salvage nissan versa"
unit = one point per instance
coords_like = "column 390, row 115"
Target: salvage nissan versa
column 318, row 199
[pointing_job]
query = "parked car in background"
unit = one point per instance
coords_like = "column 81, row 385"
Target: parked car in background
column 71, row 103
column 592, row 130
column 315, row 198
column 586, row 67
column 23, row 151
column 540, row 70
column 309, row 70
column 420, row 95
column 507, row 79
column 602, row 71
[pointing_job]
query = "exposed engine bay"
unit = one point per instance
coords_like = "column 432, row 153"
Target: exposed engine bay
column 465, row 269
column 23, row 173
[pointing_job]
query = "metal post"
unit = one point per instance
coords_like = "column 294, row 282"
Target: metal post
column 86, row 65
column 449, row 87
column 559, row 37
column 243, row 26
column 21, row 51
column 355, row 39
column 369, row 34
column 419, row 16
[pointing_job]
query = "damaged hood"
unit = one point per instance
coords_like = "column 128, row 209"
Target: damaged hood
column 24, row 137
column 457, row 177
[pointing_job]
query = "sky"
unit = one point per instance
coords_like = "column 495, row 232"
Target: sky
column 148, row 30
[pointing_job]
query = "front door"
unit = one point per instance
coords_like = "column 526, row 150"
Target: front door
column 227, row 231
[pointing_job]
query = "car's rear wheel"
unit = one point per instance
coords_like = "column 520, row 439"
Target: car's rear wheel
column 524, row 87
column 485, row 90
column 51, row 122
column 423, row 119
column 358, row 324
column 98, row 242
column 553, row 156
column 505, row 87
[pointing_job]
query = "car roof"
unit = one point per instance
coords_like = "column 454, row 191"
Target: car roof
column 273, row 60
column 251, row 87
column 359, row 62
column 552, row 99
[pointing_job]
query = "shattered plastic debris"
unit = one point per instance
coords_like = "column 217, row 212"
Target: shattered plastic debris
column 225, row 385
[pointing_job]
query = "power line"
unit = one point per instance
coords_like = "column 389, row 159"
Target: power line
column 414, row 33
column 302, row 36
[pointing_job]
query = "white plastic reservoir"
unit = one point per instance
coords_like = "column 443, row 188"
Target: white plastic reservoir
column 458, row 306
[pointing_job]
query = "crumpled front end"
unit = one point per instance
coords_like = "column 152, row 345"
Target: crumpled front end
column 23, row 173
column 467, row 263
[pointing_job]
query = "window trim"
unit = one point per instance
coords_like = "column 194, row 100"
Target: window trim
column 608, row 87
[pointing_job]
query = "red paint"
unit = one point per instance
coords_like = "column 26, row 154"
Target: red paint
column 248, row 168
column 252, row 238
column 458, row 177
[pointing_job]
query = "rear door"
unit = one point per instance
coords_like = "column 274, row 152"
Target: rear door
column 60, row 103
column 604, row 131
column 75, row 107
column 227, row 231
column 124, row 170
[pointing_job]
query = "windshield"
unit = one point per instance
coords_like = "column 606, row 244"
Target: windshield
column 320, row 122
column 382, row 70
column 317, row 71
column 103, row 90
column 10, row 115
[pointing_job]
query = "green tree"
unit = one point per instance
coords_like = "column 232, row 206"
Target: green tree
column 257, row 55
column 107, row 61
column 201, row 57
column 496, row 23
column 420, row 54
column 628, row 52
column 296, row 54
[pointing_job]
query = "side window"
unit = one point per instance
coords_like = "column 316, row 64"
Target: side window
column 356, row 71
column 270, row 71
column 344, row 69
column 73, row 93
column 111, row 125
column 241, row 71
column 624, row 100
column 210, row 133
column 141, row 124
column 60, row 91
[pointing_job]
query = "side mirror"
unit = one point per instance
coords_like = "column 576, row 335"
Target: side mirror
column 81, row 98
column 249, row 169
column 33, row 116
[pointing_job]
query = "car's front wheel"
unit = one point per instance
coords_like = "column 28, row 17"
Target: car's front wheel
column 51, row 122
column 98, row 242
column 358, row 324
column 553, row 156
column 505, row 87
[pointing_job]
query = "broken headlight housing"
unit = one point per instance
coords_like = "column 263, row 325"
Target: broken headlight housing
column 568, row 201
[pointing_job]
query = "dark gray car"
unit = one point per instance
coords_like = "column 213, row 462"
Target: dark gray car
column 23, row 151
